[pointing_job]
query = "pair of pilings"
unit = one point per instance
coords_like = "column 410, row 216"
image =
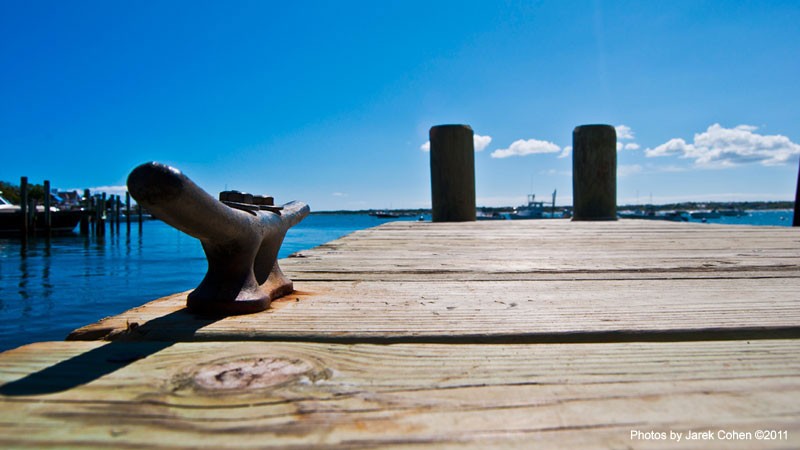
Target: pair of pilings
column 28, row 208
column 594, row 173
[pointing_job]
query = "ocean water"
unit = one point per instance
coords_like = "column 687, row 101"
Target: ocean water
column 63, row 283
column 777, row 218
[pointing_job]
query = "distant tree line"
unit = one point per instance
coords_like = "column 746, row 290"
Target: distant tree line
column 748, row 205
column 11, row 192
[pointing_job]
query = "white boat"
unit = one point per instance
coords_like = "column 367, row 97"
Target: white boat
column 705, row 214
column 60, row 221
column 385, row 214
column 533, row 210
column 674, row 216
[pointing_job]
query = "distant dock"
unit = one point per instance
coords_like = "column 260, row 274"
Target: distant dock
column 51, row 214
column 505, row 334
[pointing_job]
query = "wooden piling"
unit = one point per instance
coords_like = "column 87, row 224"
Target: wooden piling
column 117, row 205
column 100, row 230
column 47, row 217
column 90, row 214
column 23, row 203
column 110, row 214
column 128, row 211
column 32, row 215
column 796, row 220
column 594, row 172
column 95, row 213
column 452, row 173
column 86, row 211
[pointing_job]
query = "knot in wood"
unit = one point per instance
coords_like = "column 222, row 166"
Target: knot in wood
column 251, row 374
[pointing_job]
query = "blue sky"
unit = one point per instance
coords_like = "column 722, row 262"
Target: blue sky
column 331, row 102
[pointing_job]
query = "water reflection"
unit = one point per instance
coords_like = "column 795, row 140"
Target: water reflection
column 51, row 285
column 23, row 278
column 46, row 283
column 47, row 245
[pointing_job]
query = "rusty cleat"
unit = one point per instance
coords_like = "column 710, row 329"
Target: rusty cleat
column 241, row 235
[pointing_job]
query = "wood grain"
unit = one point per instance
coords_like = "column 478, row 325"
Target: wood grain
column 311, row 395
column 520, row 334
column 551, row 249
column 514, row 281
column 479, row 312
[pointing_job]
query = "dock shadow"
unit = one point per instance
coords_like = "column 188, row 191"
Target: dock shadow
column 129, row 346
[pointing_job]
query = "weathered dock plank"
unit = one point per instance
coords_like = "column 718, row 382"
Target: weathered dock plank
column 525, row 311
column 552, row 249
column 477, row 335
column 525, row 281
column 309, row 395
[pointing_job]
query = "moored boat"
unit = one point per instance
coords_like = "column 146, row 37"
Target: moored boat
column 533, row 210
column 385, row 214
column 705, row 214
column 673, row 216
column 61, row 221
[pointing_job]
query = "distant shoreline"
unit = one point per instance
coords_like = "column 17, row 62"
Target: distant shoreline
column 751, row 206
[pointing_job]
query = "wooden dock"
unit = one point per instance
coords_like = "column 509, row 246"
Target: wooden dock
column 498, row 334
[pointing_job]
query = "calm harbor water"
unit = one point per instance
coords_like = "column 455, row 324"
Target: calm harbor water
column 63, row 283
column 69, row 281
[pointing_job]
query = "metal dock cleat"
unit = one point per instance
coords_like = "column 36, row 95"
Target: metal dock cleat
column 241, row 235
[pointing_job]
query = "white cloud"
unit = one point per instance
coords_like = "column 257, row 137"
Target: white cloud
column 627, row 146
column 526, row 147
column 632, row 146
column 625, row 170
column 675, row 146
column 480, row 143
column 624, row 132
column 566, row 152
column 729, row 147
column 339, row 194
